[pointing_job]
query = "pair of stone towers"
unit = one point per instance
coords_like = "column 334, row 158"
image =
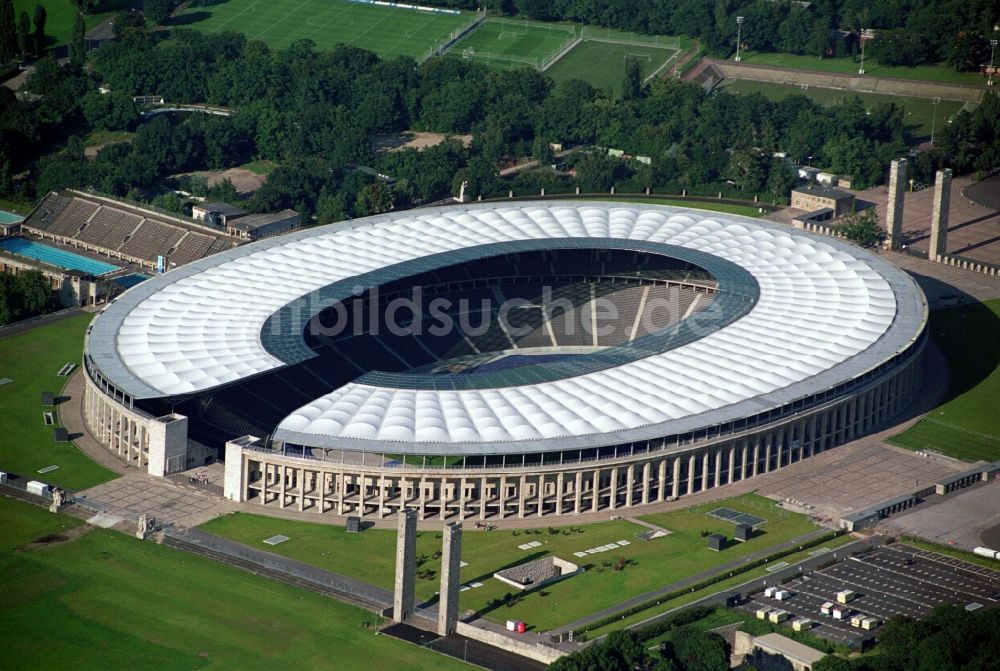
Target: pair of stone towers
column 405, row 596
column 939, row 216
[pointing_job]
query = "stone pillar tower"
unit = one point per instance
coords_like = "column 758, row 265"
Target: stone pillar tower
column 894, row 210
column 451, row 562
column 405, row 597
column 939, row 216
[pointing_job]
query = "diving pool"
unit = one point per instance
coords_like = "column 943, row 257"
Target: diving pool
column 55, row 256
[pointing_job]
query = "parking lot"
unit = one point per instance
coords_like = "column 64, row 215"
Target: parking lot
column 888, row 581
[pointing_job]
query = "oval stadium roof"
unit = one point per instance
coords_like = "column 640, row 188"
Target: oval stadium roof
column 826, row 312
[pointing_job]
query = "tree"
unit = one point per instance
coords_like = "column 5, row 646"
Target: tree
column 373, row 198
column 8, row 31
column 40, row 16
column 78, row 45
column 862, row 228
column 24, row 39
column 632, row 84
column 157, row 10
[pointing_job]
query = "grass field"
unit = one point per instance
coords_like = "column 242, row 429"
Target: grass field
column 729, row 208
column 60, row 14
column 603, row 63
column 388, row 31
column 652, row 564
column 32, row 359
column 966, row 425
column 721, row 586
column 510, row 43
column 929, row 73
column 106, row 600
column 919, row 111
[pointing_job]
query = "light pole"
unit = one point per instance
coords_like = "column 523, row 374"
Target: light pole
column 739, row 35
column 934, row 119
column 861, row 70
column 993, row 48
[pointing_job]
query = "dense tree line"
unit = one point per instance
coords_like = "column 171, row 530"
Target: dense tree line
column 24, row 295
column 949, row 639
column 313, row 114
column 684, row 649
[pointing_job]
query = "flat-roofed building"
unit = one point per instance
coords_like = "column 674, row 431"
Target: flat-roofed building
column 216, row 214
column 258, row 226
column 818, row 197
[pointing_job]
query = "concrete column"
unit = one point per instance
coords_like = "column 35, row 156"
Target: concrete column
column 661, row 492
column 767, row 451
column 423, row 498
column 483, row 483
column 381, row 496
column 522, row 492
column 939, row 215
column 341, row 492
column 451, row 560
column 894, row 213
column 282, row 485
column 717, row 455
column 676, row 485
column 692, row 467
column 541, row 494
column 461, row 499
column 443, row 499
column 503, row 496
column 578, row 493
column 232, row 480
column 646, row 484
column 405, row 595
column 629, row 484
column 756, row 455
column 613, row 498
column 732, row 464
column 560, row 477
column 595, row 495
column 321, row 486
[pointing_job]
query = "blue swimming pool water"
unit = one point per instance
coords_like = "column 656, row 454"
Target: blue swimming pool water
column 56, row 256
column 9, row 217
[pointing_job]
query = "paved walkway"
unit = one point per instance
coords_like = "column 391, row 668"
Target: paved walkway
column 687, row 582
column 71, row 417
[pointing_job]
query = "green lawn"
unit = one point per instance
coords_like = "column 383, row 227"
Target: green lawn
column 370, row 556
column 729, row 208
column 513, row 43
column 31, row 359
column 23, row 523
column 59, row 16
column 106, row 600
column 603, row 63
column 930, row 73
column 966, row 425
column 714, row 588
column 388, row 31
column 920, row 115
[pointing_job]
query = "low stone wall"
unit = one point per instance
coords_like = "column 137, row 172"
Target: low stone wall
column 541, row 653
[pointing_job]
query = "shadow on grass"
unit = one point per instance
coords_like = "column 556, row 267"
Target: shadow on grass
column 187, row 19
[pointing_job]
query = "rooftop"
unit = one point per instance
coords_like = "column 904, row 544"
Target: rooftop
column 254, row 221
column 823, row 191
column 782, row 645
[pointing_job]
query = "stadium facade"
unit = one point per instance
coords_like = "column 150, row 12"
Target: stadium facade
column 496, row 360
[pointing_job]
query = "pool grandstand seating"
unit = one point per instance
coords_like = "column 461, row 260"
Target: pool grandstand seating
column 122, row 231
column 152, row 239
column 191, row 247
column 64, row 217
column 109, row 228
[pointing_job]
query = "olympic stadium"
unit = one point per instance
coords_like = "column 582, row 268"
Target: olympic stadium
column 500, row 360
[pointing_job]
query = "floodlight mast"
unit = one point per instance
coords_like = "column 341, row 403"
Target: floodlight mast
column 861, row 70
column 993, row 48
column 739, row 35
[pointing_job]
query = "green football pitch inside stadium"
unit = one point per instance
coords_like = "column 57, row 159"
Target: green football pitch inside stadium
column 388, row 31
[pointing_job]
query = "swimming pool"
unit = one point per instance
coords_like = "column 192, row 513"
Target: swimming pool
column 55, row 256
column 9, row 217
